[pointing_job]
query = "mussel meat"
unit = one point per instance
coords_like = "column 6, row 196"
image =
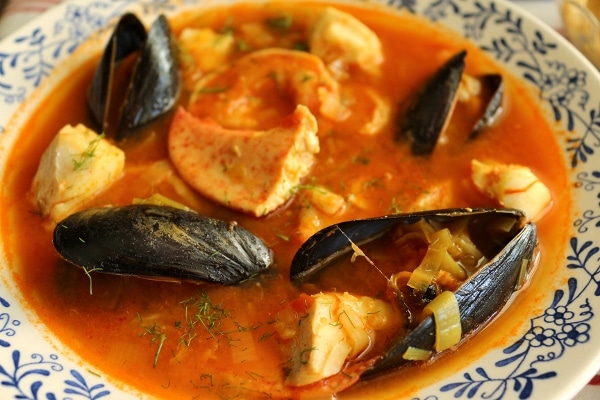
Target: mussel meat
column 507, row 242
column 154, row 83
column 161, row 242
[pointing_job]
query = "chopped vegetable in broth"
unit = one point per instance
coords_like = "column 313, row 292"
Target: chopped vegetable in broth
column 288, row 119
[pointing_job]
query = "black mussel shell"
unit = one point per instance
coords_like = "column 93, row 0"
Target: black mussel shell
column 429, row 111
column 493, row 86
column 155, row 80
column 479, row 299
column 334, row 241
column 161, row 243
column 128, row 37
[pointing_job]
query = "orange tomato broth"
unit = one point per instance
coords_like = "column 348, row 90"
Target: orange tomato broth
column 112, row 329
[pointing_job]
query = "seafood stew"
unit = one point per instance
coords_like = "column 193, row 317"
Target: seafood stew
column 347, row 167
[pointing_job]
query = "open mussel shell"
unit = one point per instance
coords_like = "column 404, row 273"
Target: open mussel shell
column 334, row 241
column 429, row 111
column 128, row 37
column 493, row 85
column 161, row 242
column 480, row 297
column 155, row 79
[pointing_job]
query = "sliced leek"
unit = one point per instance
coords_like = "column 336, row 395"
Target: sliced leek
column 424, row 274
column 448, row 329
column 523, row 273
column 416, row 354
column 451, row 266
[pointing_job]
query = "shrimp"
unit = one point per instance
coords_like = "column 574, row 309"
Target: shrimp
column 247, row 94
column 367, row 112
column 513, row 186
column 342, row 40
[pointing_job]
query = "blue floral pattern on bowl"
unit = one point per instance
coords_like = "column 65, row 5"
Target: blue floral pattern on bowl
column 23, row 374
column 565, row 329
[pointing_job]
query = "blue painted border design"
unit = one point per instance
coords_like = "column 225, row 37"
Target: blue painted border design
column 26, row 374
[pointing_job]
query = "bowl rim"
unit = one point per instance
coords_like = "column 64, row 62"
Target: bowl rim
column 532, row 22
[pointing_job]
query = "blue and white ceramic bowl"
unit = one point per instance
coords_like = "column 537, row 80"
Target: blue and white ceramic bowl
column 552, row 356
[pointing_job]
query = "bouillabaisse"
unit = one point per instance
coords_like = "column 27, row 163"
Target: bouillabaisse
column 184, row 340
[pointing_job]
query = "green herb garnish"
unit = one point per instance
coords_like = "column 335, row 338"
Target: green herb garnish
column 87, row 273
column 281, row 23
column 227, row 28
column 361, row 160
column 242, row 45
column 214, row 89
column 283, row 237
column 202, row 311
column 157, row 336
column 396, row 209
column 86, row 156
column 300, row 46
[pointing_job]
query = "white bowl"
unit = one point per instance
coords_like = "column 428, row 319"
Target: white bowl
column 549, row 357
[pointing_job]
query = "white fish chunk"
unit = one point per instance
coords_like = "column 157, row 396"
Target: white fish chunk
column 325, row 200
column 338, row 327
column 77, row 165
column 513, row 186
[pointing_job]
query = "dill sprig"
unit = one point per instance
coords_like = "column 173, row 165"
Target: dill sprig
column 202, row 311
column 302, row 358
column 87, row 272
column 213, row 89
column 228, row 27
column 395, row 207
column 281, row 23
column 157, row 335
column 283, row 236
column 86, row 156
